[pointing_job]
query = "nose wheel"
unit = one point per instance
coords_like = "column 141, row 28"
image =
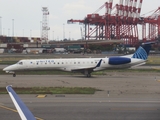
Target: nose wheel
column 14, row 74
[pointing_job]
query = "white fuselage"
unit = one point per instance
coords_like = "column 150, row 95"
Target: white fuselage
column 84, row 65
column 68, row 64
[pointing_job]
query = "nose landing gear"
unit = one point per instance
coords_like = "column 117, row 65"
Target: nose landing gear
column 88, row 75
column 14, row 74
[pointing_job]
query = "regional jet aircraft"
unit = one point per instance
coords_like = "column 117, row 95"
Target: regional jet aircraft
column 22, row 109
column 84, row 65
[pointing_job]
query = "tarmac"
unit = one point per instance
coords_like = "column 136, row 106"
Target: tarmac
column 116, row 83
column 123, row 96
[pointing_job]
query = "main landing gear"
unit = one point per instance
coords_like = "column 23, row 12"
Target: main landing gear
column 87, row 72
column 88, row 75
column 14, row 74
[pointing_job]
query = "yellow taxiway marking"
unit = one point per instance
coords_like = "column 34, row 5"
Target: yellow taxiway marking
column 7, row 108
column 41, row 96
column 155, row 68
column 39, row 118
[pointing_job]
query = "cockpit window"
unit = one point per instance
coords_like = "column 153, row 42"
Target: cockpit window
column 20, row 63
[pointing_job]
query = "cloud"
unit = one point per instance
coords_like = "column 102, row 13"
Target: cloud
column 75, row 8
column 53, row 17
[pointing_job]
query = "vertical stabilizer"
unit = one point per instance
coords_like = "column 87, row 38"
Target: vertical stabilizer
column 142, row 52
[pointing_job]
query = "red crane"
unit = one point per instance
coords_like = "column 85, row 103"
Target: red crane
column 120, row 22
column 151, row 26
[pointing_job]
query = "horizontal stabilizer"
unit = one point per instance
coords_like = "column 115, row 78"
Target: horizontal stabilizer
column 138, row 65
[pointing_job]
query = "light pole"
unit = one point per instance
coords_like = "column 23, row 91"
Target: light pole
column 13, row 27
column 40, row 30
column 69, row 35
column 63, row 31
column 4, row 31
column 53, row 35
column 8, row 31
column 0, row 25
column 12, row 30
column 23, row 32
column 31, row 34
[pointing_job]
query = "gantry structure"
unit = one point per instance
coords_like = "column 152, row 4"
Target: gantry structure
column 121, row 22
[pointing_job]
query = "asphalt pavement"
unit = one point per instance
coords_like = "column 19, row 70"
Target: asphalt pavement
column 124, row 96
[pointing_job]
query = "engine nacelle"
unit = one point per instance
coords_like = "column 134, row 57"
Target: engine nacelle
column 118, row 60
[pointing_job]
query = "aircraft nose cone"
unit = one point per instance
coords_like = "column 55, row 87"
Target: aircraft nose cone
column 10, row 68
column 5, row 69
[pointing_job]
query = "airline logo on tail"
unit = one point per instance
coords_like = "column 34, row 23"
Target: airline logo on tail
column 142, row 52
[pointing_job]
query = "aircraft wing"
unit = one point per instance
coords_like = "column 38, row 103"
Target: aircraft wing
column 87, row 68
column 22, row 109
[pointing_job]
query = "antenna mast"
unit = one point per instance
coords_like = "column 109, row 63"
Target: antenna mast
column 45, row 28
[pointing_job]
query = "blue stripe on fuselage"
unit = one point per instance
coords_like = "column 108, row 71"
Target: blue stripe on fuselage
column 118, row 60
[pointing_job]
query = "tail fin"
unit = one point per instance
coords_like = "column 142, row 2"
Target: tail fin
column 142, row 52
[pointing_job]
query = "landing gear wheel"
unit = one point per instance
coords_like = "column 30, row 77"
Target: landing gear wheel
column 88, row 75
column 14, row 74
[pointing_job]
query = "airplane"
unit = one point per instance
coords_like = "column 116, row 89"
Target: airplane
column 22, row 109
column 84, row 65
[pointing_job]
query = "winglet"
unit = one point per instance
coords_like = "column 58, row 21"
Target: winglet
column 99, row 63
column 22, row 109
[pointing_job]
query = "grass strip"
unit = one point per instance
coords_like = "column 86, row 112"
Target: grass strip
column 7, row 62
column 57, row 72
column 51, row 90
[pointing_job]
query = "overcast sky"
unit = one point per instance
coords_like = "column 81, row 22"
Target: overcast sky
column 27, row 15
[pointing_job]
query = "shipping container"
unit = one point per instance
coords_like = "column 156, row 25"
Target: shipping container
column 3, row 45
